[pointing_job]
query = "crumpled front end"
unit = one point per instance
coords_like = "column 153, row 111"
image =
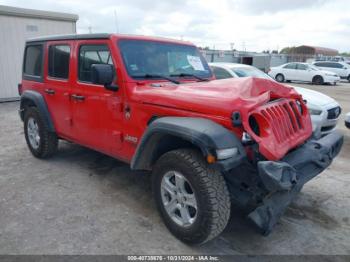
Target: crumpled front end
column 272, row 185
column 279, row 126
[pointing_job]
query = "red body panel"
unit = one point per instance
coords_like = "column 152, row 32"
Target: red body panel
column 106, row 120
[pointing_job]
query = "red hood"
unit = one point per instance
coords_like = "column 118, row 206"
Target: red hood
column 282, row 127
column 220, row 97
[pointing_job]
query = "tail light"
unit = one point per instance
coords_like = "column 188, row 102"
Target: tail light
column 19, row 89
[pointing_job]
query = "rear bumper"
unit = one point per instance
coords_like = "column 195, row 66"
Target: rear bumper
column 284, row 179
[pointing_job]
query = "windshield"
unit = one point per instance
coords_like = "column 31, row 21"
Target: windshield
column 143, row 59
column 249, row 71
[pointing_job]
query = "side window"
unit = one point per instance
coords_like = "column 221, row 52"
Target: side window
column 319, row 64
column 337, row 65
column 331, row 65
column 221, row 73
column 301, row 67
column 290, row 66
column 59, row 61
column 33, row 61
column 89, row 55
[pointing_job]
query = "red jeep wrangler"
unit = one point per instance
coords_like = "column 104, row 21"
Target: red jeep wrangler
column 155, row 104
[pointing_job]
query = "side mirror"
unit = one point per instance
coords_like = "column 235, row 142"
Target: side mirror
column 103, row 74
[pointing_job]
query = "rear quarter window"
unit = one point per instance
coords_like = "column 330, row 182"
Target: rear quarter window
column 33, row 62
column 220, row 73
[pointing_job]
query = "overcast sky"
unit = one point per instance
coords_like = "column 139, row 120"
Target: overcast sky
column 255, row 25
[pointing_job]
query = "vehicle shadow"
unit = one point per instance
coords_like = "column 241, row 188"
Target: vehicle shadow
column 134, row 189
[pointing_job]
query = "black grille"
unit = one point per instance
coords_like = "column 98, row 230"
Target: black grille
column 334, row 113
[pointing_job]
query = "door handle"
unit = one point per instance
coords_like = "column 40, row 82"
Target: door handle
column 50, row 91
column 78, row 97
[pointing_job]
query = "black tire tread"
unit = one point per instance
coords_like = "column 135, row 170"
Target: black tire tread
column 213, row 185
column 49, row 140
column 314, row 81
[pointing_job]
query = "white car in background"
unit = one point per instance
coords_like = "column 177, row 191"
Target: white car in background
column 324, row 110
column 340, row 68
column 303, row 72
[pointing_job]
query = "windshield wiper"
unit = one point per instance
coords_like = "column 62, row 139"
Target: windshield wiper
column 158, row 76
column 191, row 75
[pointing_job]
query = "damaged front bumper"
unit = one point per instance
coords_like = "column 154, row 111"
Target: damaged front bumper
column 282, row 180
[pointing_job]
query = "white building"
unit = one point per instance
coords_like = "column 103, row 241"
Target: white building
column 17, row 25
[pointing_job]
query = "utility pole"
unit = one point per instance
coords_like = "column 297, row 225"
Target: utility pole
column 90, row 29
column 116, row 21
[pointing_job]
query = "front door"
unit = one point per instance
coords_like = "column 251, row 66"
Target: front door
column 96, row 111
column 303, row 73
column 289, row 71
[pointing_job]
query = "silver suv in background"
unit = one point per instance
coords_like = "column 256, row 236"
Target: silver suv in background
column 342, row 69
column 324, row 110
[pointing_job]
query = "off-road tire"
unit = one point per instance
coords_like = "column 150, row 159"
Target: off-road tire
column 48, row 140
column 280, row 78
column 317, row 80
column 209, row 187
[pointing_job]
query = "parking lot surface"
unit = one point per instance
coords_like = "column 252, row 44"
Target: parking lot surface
column 83, row 202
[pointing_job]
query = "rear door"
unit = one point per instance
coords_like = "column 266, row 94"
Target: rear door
column 58, row 84
column 303, row 73
column 289, row 71
column 96, row 111
column 340, row 69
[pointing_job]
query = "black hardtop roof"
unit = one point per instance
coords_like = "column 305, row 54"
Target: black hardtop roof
column 69, row 37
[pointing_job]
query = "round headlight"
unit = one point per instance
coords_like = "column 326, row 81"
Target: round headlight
column 300, row 108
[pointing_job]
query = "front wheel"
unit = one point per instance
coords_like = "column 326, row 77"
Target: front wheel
column 191, row 197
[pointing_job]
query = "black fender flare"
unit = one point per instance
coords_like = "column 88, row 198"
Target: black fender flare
column 33, row 98
column 203, row 133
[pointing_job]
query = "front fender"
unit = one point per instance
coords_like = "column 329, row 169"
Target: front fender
column 204, row 134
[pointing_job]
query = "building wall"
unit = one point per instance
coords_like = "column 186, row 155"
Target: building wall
column 13, row 33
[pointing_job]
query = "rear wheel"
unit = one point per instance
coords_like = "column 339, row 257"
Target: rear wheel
column 41, row 142
column 318, row 80
column 192, row 198
column 280, row 78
